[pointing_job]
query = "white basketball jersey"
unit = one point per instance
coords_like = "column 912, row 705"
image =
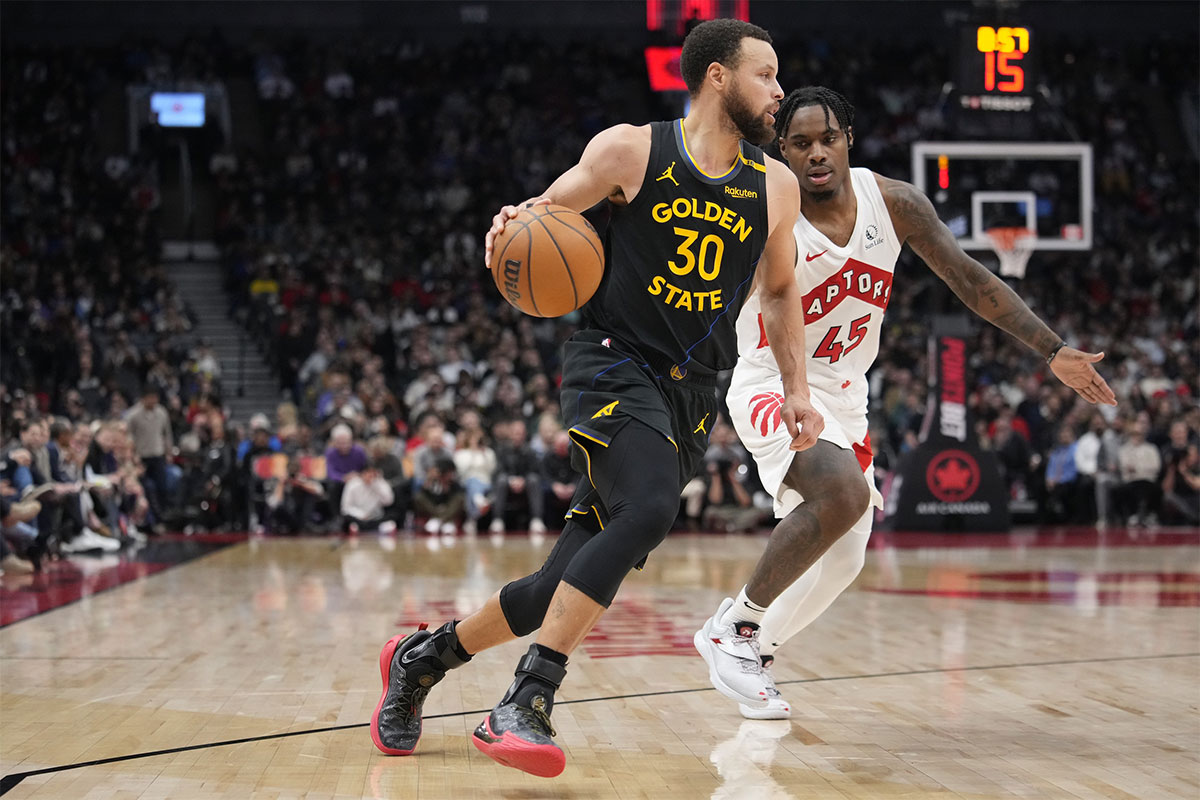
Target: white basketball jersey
column 845, row 289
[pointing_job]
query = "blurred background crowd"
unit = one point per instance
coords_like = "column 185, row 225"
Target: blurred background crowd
column 349, row 234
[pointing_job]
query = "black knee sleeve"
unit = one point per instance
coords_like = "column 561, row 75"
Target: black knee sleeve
column 524, row 601
column 623, row 544
column 638, row 477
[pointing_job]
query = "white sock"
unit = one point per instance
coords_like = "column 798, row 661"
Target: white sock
column 743, row 610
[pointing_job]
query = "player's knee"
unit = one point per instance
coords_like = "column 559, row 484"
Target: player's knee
column 659, row 515
column 649, row 508
column 847, row 499
column 524, row 602
column 649, row 519
column 858, row 496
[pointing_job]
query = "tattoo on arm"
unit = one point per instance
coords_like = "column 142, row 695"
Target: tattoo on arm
column 981, row 291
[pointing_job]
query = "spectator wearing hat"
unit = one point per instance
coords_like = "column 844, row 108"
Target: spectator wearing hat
column 441, row 499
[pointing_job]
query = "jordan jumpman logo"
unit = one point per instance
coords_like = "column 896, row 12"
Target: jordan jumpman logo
column 667, row 176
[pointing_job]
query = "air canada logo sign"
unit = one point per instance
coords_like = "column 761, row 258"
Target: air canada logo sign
column 952, row 476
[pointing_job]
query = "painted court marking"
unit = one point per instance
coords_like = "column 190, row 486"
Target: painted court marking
column 9, row 782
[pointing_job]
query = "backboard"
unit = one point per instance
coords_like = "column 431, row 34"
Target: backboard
column 975, row 186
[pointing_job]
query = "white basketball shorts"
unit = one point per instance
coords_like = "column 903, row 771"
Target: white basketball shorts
column 755, row 398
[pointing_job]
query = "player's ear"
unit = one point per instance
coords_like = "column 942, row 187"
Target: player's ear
column 849, row 138
column 715, row 73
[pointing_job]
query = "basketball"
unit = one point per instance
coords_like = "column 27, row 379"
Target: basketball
column 548, row 261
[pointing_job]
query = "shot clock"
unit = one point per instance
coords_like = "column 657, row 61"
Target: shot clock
column 996, row 68
column 1003, row 49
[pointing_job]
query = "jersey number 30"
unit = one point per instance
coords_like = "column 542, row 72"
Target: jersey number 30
column 707, row 271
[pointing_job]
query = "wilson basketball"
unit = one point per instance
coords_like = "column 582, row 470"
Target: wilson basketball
column 548, row 261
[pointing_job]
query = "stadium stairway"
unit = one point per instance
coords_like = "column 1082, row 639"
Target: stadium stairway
column 247, row 383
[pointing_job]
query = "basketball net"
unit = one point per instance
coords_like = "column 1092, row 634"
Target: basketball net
column 1013, row 246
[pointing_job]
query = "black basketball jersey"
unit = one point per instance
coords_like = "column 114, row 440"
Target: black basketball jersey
column 681, row 256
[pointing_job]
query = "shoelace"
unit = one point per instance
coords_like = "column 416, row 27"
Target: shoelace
column 752, row 641
column 410, row 697
column 535, row 718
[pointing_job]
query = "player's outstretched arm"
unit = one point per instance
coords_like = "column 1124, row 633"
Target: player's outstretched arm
column 917, row 223
column 783, row 306
column 612, row 166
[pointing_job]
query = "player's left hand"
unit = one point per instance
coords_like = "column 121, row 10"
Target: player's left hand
column 1074, row 368
column 804, row 423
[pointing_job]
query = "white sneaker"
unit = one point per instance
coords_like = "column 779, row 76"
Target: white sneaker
column 449, row 529
column 497, row 526
column 537, row 526
column 777, row 707
column 16, row 565
column 432, row 526
column 387, row 527
column 734, row 667
column 470, row 528
column 87, row 540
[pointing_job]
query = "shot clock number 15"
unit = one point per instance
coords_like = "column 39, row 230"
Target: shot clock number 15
column 1001, row 47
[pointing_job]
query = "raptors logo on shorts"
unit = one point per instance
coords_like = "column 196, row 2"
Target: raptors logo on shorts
column 765, row 410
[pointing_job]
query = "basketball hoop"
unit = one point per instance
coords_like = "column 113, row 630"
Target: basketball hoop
column 1013, row 246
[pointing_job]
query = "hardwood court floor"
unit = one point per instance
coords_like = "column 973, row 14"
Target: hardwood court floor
column 1036, row 665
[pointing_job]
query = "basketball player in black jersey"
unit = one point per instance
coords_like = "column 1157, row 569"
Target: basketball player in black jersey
column 698, row 209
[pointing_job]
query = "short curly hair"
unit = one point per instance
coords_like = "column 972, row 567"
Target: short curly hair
column 718, row 40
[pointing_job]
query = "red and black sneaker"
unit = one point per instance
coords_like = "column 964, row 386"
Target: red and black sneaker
column 410, row 666
column 518, row 732
column 520, row 737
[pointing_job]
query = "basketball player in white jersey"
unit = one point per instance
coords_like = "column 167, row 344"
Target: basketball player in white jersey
column 852, row 226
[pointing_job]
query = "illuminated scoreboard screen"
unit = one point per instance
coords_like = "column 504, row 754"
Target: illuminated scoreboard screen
column 997, row 69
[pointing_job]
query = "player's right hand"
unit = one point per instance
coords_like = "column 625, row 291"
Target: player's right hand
column 804, row 423
column 501, row 219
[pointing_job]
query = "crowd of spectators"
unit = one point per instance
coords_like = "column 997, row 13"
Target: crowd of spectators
column 411, row 394
column 89, row 322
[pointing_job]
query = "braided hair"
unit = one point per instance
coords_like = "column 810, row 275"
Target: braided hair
column 828, row 99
